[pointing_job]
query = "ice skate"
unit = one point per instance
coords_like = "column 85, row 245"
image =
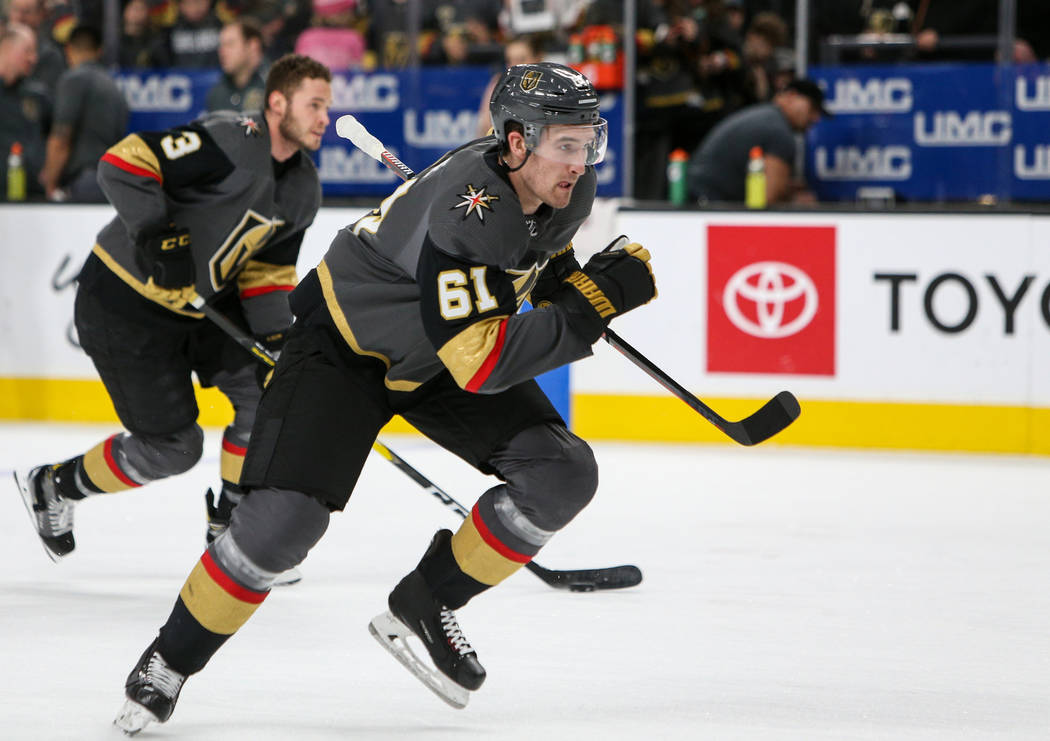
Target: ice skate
column 152, row 689
column 220, row 510
column 52, row 514
column 414, row 611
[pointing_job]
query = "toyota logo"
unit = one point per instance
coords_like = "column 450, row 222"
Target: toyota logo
column 770, row 289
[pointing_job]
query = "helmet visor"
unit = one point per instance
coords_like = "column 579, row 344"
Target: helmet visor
column 574, row 144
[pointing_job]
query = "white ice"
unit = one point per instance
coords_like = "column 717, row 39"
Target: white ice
column 788, row 594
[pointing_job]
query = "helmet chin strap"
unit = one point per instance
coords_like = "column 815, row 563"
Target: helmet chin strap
column 528, row 153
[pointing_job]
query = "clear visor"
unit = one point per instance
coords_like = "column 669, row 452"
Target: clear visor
column 575, row 144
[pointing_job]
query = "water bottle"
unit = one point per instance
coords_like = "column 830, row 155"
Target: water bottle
column 576, row 52
column 676, row 187
column 16, row 174
column 755, row 183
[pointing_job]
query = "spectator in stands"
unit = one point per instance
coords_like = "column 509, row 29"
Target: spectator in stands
column 471, row 42
column 50, row 64
column 25, row 108
column 937, row 19
column 331, row 39
column 193, row 41
column 282, row 23
column 241, row 87
column 519, row 50
column 90, row 117
column 690, row 75
column 140, row 43
column 766, row 32
column 717, row 170
column 388, row 38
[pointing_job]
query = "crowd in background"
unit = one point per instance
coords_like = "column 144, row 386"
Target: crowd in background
column 698, row 61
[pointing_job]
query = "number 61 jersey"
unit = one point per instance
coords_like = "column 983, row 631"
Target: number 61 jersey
column 432, row 280
column 246, row 213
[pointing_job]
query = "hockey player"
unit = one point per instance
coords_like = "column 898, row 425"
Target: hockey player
column 414, row 311
column 215, row 209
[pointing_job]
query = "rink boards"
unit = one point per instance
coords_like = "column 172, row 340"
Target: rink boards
column 920, row 331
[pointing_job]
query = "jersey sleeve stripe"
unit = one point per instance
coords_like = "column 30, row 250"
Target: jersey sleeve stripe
column 132, row 154
column 479, row 378
column 260, row 290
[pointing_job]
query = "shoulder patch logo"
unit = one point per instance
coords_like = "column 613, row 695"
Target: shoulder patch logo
column 250, row 127
column 475, row 201
column 530, row 80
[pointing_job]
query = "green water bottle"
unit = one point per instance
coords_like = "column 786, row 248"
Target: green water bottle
column 16, row 174
column 676, row 187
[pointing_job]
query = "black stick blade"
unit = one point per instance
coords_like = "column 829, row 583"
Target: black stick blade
column 774, row 416
column 589, row 580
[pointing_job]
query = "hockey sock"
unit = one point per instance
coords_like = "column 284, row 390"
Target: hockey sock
column 485, row 550
column 231, row 459
column 211, row 607
column 105, row 469
column 71, row 481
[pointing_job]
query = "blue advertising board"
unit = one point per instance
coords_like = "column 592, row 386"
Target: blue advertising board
column 933, row 132
column 418, row 114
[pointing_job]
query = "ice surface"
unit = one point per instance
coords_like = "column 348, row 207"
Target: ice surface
column 788, row 594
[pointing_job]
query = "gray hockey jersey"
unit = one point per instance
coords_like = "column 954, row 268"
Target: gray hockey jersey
column 433, row 279
column 246, row 214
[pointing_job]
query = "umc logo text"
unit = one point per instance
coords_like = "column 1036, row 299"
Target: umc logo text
column 892, row 95
column 868, row 163
column 975, row 129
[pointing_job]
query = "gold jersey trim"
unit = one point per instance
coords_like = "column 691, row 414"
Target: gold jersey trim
column 134, row 150
column 341, row 323
column 465, row 353
column 258, row 274
column 148, row 290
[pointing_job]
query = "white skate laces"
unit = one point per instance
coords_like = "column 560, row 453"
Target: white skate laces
column 161, row 676
column 453, row 633
column 57, row 515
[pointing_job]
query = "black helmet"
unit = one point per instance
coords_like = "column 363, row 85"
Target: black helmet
column 543, row 94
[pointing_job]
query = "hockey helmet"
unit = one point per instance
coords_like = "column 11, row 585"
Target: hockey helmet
column 547, row 94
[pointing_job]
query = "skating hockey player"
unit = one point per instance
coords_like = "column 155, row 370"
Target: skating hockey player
column 215, row 209
column 414, row 311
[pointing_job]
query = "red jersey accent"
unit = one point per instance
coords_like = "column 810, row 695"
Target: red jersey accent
column 479, row 378
column 128, row 167
column 493, row 542
column 107, row 453
column 228, row 585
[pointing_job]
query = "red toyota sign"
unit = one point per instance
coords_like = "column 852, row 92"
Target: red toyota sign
column 771, row 299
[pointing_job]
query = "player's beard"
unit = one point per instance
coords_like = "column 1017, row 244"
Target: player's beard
column 294, row 131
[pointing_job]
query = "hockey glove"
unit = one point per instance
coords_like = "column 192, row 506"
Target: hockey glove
column 167, row 258
column 610, row 284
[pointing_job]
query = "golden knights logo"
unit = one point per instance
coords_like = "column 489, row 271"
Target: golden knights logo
column 250, row 127
column 476, row 201
column 530, row 80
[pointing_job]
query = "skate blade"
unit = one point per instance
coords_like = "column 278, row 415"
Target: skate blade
column 392, row 635
column 27, row 500
column 133, row 717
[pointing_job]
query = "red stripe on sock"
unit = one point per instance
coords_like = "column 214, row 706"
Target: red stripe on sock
column 128, row 167
column 483, row 373
column 107, row 453
column 493, row 542
column 231, row 587
column 231, row 448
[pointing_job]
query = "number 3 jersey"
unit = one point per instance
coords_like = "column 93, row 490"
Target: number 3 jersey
column 433, row 279
column 245, row 212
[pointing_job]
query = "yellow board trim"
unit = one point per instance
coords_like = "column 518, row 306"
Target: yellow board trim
column 212, row 606
column 841, row 424
column 85, row 401
column 477, row 558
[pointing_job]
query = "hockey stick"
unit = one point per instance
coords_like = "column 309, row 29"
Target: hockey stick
column 771, row 418
column 575, row 580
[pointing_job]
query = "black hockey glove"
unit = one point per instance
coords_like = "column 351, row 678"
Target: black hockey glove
column 611, row 283
column 274, row 343
column 166, row 256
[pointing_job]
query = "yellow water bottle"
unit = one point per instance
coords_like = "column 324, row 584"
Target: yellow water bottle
column 755, row 183
column 16, row 174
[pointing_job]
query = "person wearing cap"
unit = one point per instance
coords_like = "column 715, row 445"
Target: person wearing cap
column 718, row 168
